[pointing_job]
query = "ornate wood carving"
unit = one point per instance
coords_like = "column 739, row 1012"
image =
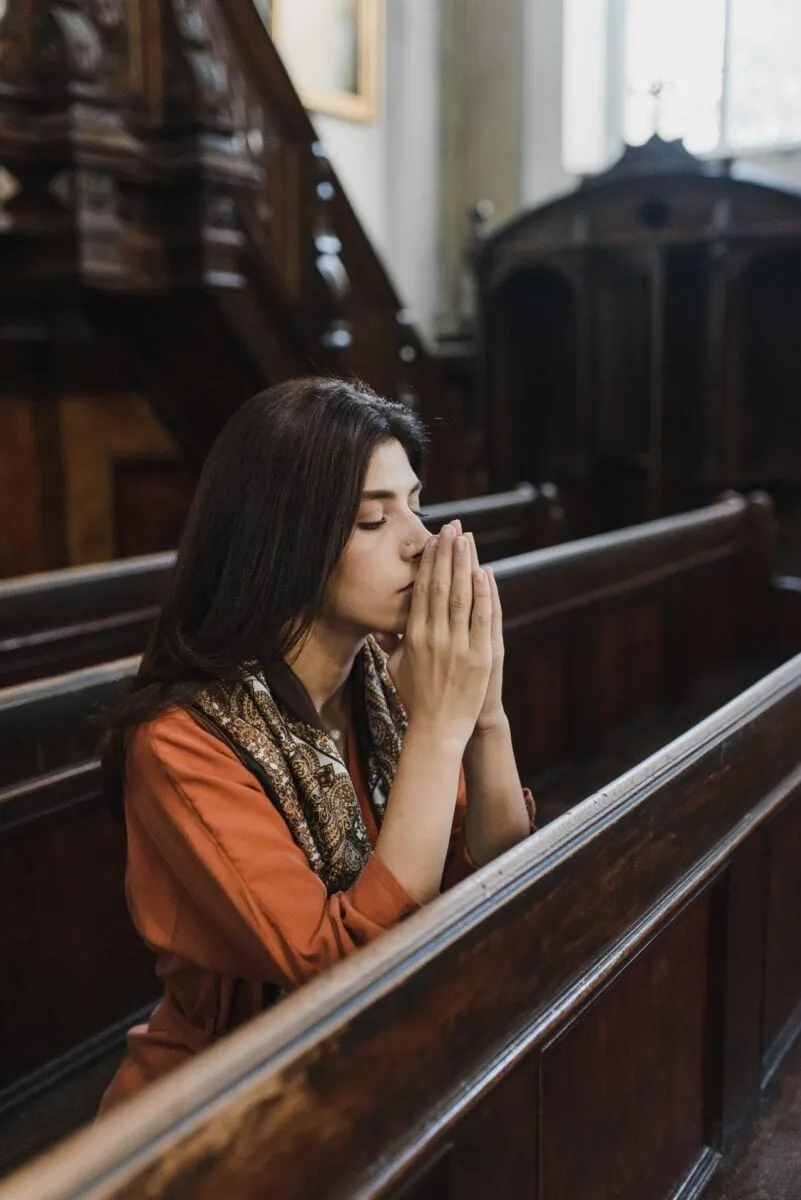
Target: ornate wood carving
column 153, row 145
column 61, row 43
column 197, row 74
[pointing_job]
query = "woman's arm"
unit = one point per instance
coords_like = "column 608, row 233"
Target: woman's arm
column 499, row 811
column 209, row 821
column 442, row 675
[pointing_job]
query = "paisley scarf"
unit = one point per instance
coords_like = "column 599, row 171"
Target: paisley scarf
column 300, row 767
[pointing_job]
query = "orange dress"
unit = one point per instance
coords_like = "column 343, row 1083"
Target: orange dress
column 220, row 891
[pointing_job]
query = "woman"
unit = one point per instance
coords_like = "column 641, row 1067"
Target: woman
column 283, row 806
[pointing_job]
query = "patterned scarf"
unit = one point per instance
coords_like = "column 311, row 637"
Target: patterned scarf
column 301, row 768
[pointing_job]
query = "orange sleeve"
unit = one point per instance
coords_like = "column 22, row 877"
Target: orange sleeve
column 233, row 853
column 458, row 863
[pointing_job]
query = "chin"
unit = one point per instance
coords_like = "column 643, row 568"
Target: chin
column 390, row 629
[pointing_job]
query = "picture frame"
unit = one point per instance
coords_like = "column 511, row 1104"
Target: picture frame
column 332, row 50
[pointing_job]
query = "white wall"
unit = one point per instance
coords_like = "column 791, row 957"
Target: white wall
column 542, row 175
column 390, row 168
column 357, row 151
column 481, row 118
column 412, row 154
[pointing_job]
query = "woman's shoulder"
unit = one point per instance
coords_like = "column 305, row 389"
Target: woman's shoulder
column 176, row 742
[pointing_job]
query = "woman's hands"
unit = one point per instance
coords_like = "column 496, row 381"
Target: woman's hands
column 442, row 667
column 491, row 713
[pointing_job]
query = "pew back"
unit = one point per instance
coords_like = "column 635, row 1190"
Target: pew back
column 75, row 975
column 593, row 1014
column 604, row 631
column 59, row 621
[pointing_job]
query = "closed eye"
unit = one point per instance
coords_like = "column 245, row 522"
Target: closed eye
column 377, row 524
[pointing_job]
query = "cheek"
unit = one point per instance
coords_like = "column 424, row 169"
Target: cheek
column 359, row 582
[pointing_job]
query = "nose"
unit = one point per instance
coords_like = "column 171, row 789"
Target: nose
column 417, row 538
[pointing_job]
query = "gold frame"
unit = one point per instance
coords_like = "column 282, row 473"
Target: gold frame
column 352, row 106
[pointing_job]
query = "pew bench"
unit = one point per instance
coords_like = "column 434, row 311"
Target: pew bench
column 601, row 634
column 75, row 972
column 596, row 1013
column 59, row 621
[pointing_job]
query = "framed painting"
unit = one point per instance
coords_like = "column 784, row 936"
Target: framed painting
column 332, row 50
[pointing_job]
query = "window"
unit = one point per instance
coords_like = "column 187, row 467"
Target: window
column 674, row 71
column 763, row 76
column 723, row 75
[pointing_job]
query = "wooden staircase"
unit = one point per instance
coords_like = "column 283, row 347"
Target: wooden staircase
column 164, row 185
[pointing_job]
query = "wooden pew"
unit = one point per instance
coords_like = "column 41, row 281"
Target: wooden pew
column 594, row 1014
column 62, row 620
column 617, row 642
column 598, row 632
column 75, row 972
column 786, row 608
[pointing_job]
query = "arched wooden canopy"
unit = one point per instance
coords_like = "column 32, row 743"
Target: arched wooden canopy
column 641, row 337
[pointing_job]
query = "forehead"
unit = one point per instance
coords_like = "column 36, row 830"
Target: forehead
column 390, row 470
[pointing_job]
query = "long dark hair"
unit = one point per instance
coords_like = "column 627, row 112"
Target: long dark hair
column 274, row 508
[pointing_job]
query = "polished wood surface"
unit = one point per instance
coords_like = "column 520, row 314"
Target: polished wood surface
column 559, row 1025
column 69, row 464
column 62, row 620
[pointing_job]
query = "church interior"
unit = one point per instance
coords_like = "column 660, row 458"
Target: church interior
column 565, row 235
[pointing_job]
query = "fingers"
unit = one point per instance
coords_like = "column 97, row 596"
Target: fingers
column 418, row 609
column 497, row 611
column 461, row 587
column 439, row 600
column 473, row 552
column 443, row 589
column 481, row 622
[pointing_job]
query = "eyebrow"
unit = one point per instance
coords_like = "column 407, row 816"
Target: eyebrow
column 384, row 495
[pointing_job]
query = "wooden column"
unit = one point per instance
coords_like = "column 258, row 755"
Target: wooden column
column 656, row 397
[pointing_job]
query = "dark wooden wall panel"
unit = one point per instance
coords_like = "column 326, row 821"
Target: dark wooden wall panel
column 738, row 952
column 783, row 944
column 615, row 1121
column 536, row 694
column 432, row 1181
column 151, row 501
column 630, row 661
column 98, row 970
column 21, row 544
column 496, row 1144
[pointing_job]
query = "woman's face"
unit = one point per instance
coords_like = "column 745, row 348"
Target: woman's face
column 370, row 587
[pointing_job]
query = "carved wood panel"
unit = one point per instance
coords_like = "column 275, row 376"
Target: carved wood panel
column 615, row 1123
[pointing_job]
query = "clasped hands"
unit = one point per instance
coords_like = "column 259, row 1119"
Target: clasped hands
column 492, row 714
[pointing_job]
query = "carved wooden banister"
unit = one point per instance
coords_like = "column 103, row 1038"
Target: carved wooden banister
column 161, row 177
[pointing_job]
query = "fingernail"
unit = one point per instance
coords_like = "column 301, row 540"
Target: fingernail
column 431, row 543
column 447, row 531
column 461, row 545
